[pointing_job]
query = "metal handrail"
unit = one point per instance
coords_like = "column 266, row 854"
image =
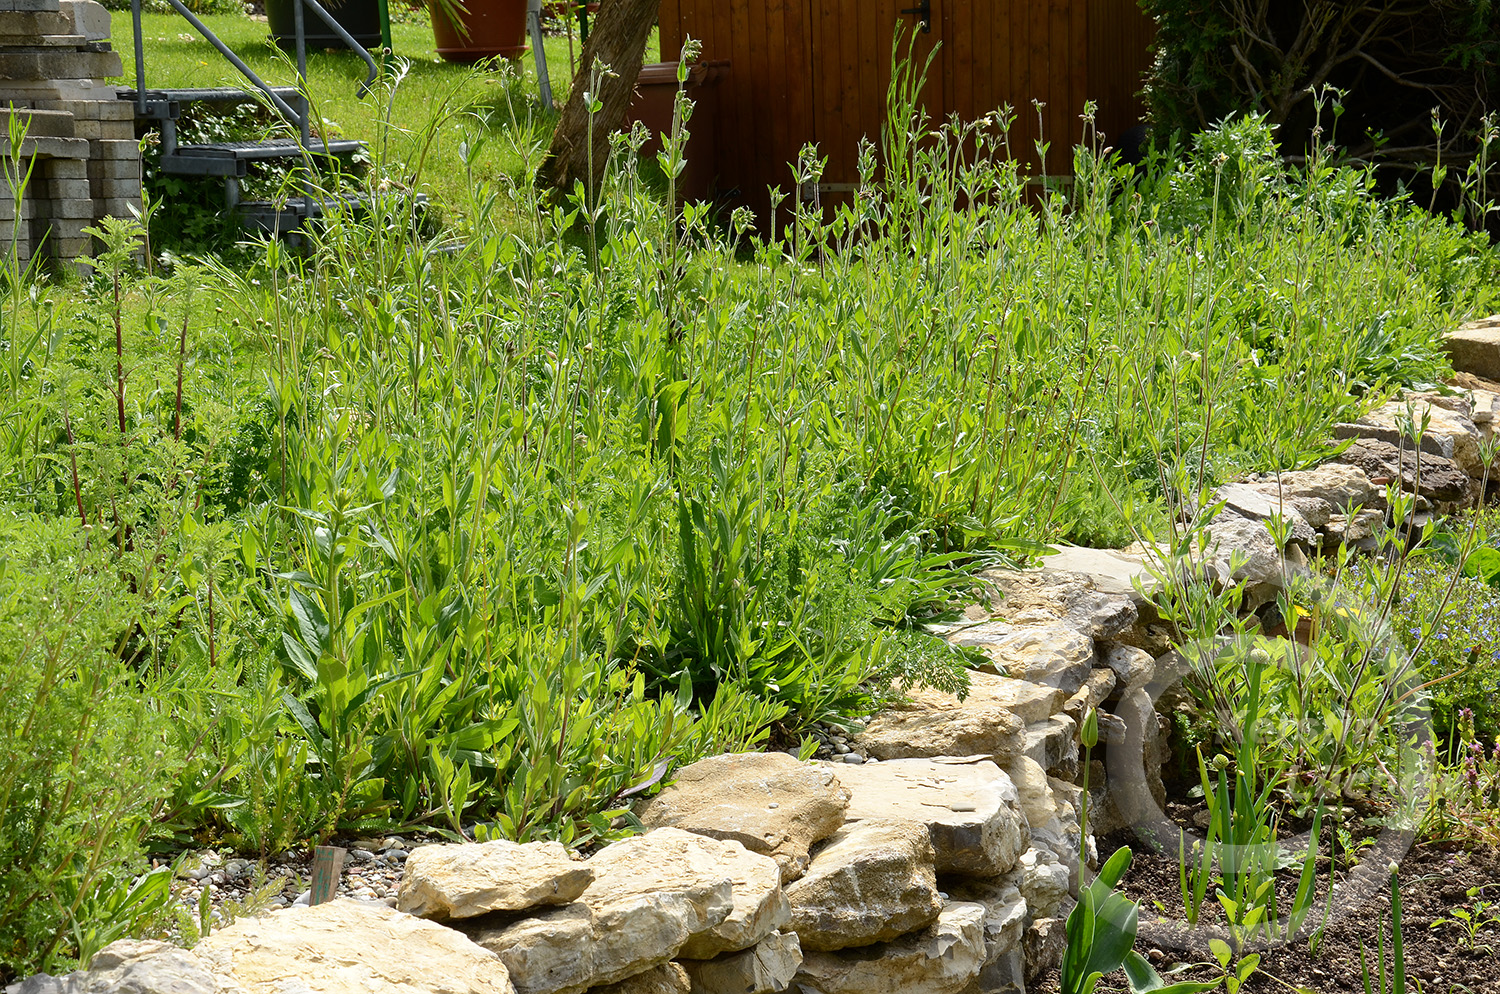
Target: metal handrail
column 368, row 83
column 301, row 119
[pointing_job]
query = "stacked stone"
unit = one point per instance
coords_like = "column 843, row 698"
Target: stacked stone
column 80, row 153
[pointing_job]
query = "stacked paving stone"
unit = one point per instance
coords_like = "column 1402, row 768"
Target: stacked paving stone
column 80, row 153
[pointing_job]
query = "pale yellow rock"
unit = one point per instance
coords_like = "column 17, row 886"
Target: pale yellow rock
column 1036, row 799
column 1047, row 596
column 768, row 802
column 669, row 978
column 990, row 721
column 971, row 809
column 347, row 947
column 1043, row 881
column 462, row 881
column 760, row 905
column 651, row 895
column 947, row 957
column 871, row 882
column 765, row 968
column 128, row 966
column 549, row 953
column 1475, row 348
column 1005, row 912
column 1133, row 667
column 1056, row 655
column 1334, row 485
column 1095, row 690
column 1449, row 433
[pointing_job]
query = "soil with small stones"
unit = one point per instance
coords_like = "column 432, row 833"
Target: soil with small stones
column 237, row 885
column 1435, row 880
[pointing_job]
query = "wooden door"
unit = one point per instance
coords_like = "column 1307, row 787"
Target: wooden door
column 1011, row 52
column 761, row 110
column 851, row 71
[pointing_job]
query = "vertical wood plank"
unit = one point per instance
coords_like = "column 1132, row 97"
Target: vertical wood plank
column 959, row 57
column 1078, row 63
column 1036, row 83
column 670, row 22
column 1020, row 55
column 826, row 58
column 795, row 49
column 328, row 864
column 738, row 121
column 1059, row 100
column 1120, row 39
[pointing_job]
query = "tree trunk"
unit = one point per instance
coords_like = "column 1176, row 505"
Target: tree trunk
column 619, row 42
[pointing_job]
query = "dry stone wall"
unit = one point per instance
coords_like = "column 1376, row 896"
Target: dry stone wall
column 935, row 852
column 80, row 161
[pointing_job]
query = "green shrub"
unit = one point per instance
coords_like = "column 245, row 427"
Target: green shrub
column 1417, row 79
column 1456, row 620
column 87, row 758
column 489, row 534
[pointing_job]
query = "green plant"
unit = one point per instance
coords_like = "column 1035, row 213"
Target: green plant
column 1479, row 916
column 487, row 532
column 1382, row 982
column 1195, row 870
column 1219, row 58
column 87, row 759
column 1101, row 932
column 115, row 908
column 1235, row 971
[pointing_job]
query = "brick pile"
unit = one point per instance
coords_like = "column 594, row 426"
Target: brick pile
column 79, row 161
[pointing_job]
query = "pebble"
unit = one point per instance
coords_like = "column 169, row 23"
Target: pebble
column 372, row 873
column 852, row 757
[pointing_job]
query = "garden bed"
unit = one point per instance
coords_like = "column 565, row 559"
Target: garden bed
column 1436, row 879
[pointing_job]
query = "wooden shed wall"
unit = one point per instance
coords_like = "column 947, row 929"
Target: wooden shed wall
column 818, row 70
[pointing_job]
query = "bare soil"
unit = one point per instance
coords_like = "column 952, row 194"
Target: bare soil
column 1435, row 879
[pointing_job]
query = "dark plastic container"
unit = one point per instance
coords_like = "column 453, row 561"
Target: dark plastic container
column 361, row 18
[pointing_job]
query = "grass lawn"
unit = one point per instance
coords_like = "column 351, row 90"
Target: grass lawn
column 176, row 56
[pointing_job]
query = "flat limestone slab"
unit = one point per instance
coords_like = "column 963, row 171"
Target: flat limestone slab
column 465, row 880
column 947, row 957
column 1475, row 348
column 1450, row 434
column 345, row 947
column 650, row 896
column 1111, row 571
column 1051, row 596
column 768, row 802
column 872, row 882
column 990, row 721
column 765, row 968
column 1056, row 654
column 971, row 809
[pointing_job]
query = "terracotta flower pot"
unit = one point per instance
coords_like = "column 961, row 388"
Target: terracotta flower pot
column 493, row 28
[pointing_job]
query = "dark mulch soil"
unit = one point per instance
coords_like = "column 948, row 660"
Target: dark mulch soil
column 1435, row 879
